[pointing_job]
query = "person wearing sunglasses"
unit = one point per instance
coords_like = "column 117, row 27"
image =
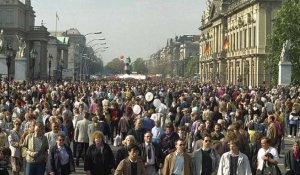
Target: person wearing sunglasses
column 178, row 162
column 206, row 159
column 60, row 159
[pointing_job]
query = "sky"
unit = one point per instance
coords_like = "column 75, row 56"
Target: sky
column 132, row 28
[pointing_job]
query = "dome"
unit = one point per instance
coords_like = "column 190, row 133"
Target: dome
column 73, row 31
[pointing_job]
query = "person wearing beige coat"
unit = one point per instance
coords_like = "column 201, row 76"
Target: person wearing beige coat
column 125, row 166
column 172, row 165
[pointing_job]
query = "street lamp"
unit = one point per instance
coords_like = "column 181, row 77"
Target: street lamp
column 9, row 52
column 61, row 69
column 50, row 59
column 95, row 33
column 33, row 55
column 97, row 39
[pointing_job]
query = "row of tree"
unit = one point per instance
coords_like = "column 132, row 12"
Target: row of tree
column 116, row 66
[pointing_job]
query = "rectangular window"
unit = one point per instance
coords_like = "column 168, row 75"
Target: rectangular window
column 241, row 40
column 245, row 38
column 254, row 36
column 249, row 37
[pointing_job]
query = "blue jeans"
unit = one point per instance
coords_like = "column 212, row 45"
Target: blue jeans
column 35, row 168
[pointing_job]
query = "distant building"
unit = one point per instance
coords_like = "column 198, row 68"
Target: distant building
column 233, row 41
column 171, row 60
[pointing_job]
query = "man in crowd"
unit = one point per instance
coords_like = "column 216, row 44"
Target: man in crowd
column 178, row 162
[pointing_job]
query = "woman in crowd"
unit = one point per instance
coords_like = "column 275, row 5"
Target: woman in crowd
column 168, row 140
column 292, row 160
column 99, row 158
column 122, row 152
column 60, row 159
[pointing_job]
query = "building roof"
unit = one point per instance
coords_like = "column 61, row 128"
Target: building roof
column 73, row 31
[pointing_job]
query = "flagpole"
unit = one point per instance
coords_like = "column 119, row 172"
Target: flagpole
column 56, row 24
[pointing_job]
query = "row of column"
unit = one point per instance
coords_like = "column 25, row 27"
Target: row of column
column 238, row 72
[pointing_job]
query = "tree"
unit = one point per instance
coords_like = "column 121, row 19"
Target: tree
column 139, row 66
column 286, row 26
column 191, row 66
column 115, row 66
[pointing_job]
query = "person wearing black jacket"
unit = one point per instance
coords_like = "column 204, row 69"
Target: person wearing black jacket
column 99, row 158
column 60, row 158
column 151, row 155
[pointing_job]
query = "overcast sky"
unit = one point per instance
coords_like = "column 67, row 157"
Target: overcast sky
column 135, row 28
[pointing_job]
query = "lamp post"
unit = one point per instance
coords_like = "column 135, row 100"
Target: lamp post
column 50, row 59
column 61, row 69
column 81, row 54
column 9, row 56
column 33, row 55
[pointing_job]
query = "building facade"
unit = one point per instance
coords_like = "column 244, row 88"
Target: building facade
column 17, row 20
column 233, row 42
column 171, row 60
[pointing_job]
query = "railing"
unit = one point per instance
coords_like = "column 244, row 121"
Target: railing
column 38, row 28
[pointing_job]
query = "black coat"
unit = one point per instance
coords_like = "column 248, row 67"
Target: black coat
column 97, row 162
column 157, row 152
column 53, row 162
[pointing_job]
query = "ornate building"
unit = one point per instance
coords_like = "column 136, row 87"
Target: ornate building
column 233, row 41
column 17, row 19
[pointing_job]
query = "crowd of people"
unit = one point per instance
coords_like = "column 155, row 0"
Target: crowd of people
column 168, row 127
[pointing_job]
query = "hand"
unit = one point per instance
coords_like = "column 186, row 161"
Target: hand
column 33, row 154
column 52, row 173
column 265, row 158
column 112, row 171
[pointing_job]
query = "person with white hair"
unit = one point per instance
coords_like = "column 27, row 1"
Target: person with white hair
column 122, row 152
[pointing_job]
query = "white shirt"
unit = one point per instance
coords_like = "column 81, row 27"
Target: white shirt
column 262, row 152
column 150, row 161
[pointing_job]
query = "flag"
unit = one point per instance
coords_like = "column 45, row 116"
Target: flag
column 226, row 44
column 57, row 18
column 207, row 48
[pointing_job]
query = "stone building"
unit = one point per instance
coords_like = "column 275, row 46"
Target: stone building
column 172, row 59
column 233, row 41
column 17, row 20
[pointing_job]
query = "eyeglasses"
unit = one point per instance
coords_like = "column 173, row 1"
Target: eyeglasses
column 207, row 140
column 17, row 123
column 148, row 136
column 181, row 144
column 55, row 126
column 61, row 140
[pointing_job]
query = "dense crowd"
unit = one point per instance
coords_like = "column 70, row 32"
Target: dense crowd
column 167, row 127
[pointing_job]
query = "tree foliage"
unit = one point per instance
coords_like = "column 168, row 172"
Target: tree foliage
column 115, row 66
column 139, row 66
column 286, row 26
column 191, row 66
